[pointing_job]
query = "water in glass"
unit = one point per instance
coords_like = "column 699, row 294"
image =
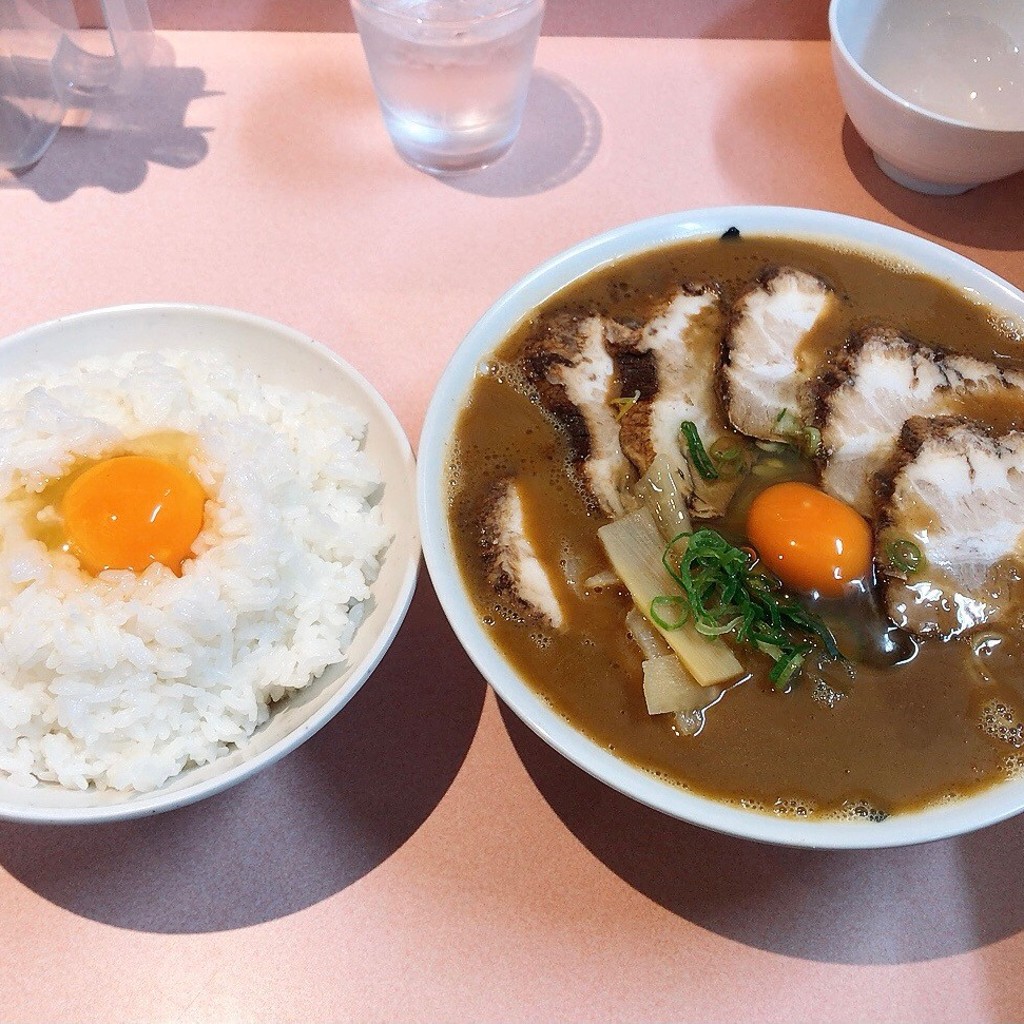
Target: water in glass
column 451, row 76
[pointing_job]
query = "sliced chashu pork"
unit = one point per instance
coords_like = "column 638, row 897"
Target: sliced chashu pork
column 512, row 564
column 880, row 380
column 765, row 373
column 951, row 498
column 570, row 360
column 682, row 342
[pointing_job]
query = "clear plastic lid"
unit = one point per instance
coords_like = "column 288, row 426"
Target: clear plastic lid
column 48, row 62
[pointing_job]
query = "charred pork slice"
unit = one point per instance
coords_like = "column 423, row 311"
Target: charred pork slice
column 570, row 361
column 682, row 341
column 513, row 566
column 881, row 379
column 765, row 374
column 950, row 525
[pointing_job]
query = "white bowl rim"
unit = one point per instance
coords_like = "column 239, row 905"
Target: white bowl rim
column 158, row 801
column 910, row 105
column 991, row 805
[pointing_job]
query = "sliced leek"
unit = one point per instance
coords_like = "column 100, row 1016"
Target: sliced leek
column 601, row 580
column 668, row 687
column 659, row 489
column 646, row 636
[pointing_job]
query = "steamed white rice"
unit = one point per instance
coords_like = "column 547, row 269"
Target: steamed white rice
column 122, row 680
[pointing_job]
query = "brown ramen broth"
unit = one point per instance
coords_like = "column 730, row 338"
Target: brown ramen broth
column 937, row 727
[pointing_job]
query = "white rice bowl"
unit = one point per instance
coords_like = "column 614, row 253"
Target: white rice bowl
column 122, row 680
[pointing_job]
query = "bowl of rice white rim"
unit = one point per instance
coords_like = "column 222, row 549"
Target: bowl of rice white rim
column 128, row 693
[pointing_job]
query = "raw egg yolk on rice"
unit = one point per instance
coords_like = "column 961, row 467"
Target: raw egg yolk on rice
column 809, row 539
column 129, row 511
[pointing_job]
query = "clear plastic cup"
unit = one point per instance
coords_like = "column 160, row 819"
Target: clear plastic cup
column 451, row 76
column 48, row 65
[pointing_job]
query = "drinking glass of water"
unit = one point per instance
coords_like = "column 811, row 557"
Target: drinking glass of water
column 451, row 75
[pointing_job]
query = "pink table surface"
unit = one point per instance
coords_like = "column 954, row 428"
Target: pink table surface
column 425, row 858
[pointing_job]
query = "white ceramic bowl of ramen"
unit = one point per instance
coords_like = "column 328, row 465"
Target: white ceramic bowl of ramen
column 470, row 620
column 934, row 87
column 269, row 354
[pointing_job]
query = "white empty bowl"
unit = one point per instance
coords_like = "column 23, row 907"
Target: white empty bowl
column 284, row 358
column 934, row 87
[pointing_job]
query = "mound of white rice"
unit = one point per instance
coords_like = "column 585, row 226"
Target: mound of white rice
column 122, row 680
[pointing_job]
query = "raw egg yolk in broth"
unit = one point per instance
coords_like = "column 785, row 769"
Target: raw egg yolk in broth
column 810, row 540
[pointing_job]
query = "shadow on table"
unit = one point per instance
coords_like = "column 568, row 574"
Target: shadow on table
column 988, row 217
column 560, row 134
column 122, row 134
column 855, row 907
column 778, row 110
column 300, row 831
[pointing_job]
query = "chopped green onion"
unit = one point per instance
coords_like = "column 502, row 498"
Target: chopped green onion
column 724, row 594
column 677, row 604
column 698, row 454
column 812, row 441
column 623, row 405
column 719, row 630
column 730, row 457
column 904, row 556
column 787, row 424
column 785, row 668
column 801, row 435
